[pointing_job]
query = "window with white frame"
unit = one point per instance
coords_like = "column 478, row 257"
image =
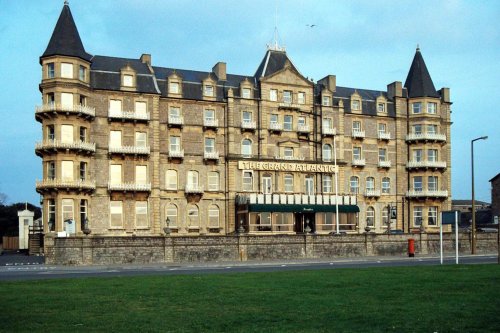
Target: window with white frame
column 67, row 133
column 417, row 183
column 356, row 104
column 432, row 215
column 141, row 108
column 115, row 174
column 66, row 70
column 288, row 182
column 51, row 170
column 67, row 170
column 83, row 134
column 174, row 112
column 116, row 214
column 83, row 171
column 128, row 80
column 67, row 100
column 288, row 123
column 141, row 139
column 370, row 184
column 386, row 185
column 417, row 155
column 141, row 174
column 246, row 148
column 287, row 96
column 325, row 100
column 432, row 108
column 51, row 98
column 432, row 183
column 273, row 95
column 51, row 133
column 327, row 183
column 246, row 93
column 213, row 181
column 83, row 100
column 192, row 179
column 273, row 118
column 356, row 153
column 51, row 209
column 327, row 123
column 301, row 97
column 82, row 73
column 309, row 185
column 382, row 154
column 432, row 155
column 84, row 208
column 209, row 115
column 417, row 128
column 173, row 87
column 354, row 185
column 356, row 126
column 431, row 129
column 67, row 210
column 417, row 216
column 288, row 153
column 209, row 145
column 208, row 90
column 247, row 116
column 267, row 184
column 247, row 181
column 301, row 121
column 213, row 216
column 193, row 216
column 171, row 215
column 171, row 179
column 370, row 216
column 385, row 216
column 416, row 107
column 327, row 152
column 141, row 214
column 174, row 143
column 382, row 128
column 51, row 73
column 115, row 139
column 381, row 107
column 115, row 105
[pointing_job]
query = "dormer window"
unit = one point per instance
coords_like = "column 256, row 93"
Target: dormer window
column 416, row 107
column 208, row 90
column 325, row 101
column 273, row 95
column 173, row 87
column 51, row 73
column 82, row 73
column 128, row 80
column 356, row 105
column 246, row 93
column 431, row 108
column 67, row 70
column 381, row 107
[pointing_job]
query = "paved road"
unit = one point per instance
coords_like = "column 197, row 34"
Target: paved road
column 35, row 272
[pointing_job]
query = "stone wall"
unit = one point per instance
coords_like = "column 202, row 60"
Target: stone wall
column 98, row 250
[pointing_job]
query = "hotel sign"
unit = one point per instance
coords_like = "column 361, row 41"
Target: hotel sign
column 289, row 167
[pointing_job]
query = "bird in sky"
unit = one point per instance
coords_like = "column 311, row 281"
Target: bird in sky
column 311, row 25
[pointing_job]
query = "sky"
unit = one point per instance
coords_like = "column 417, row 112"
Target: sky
column 366, row 44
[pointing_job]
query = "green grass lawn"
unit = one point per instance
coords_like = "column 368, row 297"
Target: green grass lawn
column 402, row 299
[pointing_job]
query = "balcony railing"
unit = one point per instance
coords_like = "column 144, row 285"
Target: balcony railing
column 65, row 184
column 286, row 105
column 133, row 150
column 74, row 109
column 57, row 144
column 358, row 162
column 128, row 115
column 426, row 164
column 275, row 126
column 427, row 193
column 211, row 155
column 426, row 137
column 129, row 187
column 384, row 164
column 329, row 131
column 194, row 189
column 248, row 125
column 303, row 128
column 289, row 158
column 176, row 153
column 175, row 120
column 295, row 199
column 211, row 123
column 384, row 136
column 372, row 193
column 358, row 134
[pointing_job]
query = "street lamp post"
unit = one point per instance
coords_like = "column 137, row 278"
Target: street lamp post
column 473, row 245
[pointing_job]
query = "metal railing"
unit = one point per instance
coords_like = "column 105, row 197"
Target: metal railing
column 329, row 131
column 55, row 183
column 426, row 164
column 175, row 120
column 359, row 162
column 372, row 193
column 132, row 115
column 275, row 126
column 358, row 134
column 194, row 189
column 426, row 136
column 176, row 153
column 303, row 128
column 135, row 150
column 248, row 124
column 384, row 164
column 129, row 187
column 212, row 155
column 211, row 122
column 384, row 136
column 427, row 193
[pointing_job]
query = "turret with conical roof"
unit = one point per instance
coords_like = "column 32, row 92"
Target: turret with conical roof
column 65, row 40
column 419, row 82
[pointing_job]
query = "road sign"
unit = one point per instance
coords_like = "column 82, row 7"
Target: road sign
column 448, row 216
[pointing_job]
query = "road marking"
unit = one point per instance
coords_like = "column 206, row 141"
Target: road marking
column 283, row 265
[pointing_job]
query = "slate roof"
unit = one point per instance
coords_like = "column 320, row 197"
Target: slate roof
column 65, row 38
column 494, row 178
column 273, row 62
column 419, row 82
column 459, row 202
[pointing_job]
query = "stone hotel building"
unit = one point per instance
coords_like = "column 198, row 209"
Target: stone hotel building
column 127, row 146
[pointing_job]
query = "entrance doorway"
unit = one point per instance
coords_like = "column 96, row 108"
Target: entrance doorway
column 302, row 220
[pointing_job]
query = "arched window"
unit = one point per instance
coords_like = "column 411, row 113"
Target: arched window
column 193, row 178
column 247, row 180
column 171, row 215
column 370, row 184
column 171, row 180
column 213, row 216
column 386, row 185
column 370, row 216
column 354, row 185
column 327, row 152
column 193, row 216
column 246, row 148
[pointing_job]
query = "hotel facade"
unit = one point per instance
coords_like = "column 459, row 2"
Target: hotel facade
column 129, row 148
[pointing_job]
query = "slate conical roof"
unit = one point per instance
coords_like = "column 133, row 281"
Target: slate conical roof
column 419, row 82
column 65, row 39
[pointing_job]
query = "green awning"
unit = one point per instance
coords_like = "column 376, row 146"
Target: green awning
column 302, row 208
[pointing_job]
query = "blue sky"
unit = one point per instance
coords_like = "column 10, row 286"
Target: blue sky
column 366, row 44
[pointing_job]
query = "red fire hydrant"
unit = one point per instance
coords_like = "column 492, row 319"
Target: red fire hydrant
column 411, row 247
